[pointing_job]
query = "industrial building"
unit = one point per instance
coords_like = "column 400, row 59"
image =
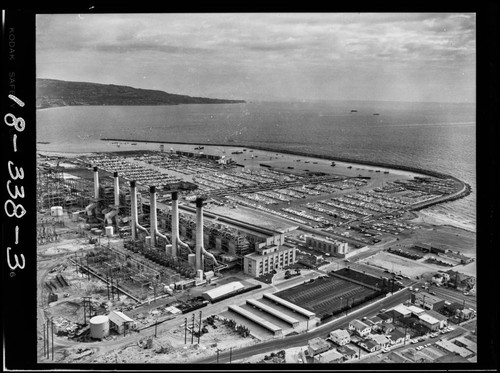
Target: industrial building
column 213, row 295
column 426, row 301
column 119, row 322
column 327, row 245
column 266, row 259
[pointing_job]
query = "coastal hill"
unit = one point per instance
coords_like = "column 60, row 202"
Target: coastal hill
column 52, row 93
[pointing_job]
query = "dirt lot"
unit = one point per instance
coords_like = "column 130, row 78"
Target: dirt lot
column 169, row 347
column 398, row 264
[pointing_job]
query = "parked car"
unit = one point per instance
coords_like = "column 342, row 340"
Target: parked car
column 385, row 350
column 413, row 341
column 419, row 348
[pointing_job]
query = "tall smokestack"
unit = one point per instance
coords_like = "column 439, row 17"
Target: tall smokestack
column 133, row 208
column 96, row 183
column 133, row 212
column 199, row 233
column 117, row 189
column 175, row 222
column 152, row 214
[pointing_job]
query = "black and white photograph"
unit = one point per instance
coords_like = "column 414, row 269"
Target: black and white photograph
column 249, row 189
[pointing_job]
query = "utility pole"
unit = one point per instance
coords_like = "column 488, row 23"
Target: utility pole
column 185, row 330
column 84, row 311
column 199, row 329
column 192, row 331
column 230, row 354
column 48, row 341
column 44, row 342
column 156, row 327
column 52, row 328
column 218, row 356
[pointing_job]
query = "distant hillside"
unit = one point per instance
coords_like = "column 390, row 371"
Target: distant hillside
column 51, row 93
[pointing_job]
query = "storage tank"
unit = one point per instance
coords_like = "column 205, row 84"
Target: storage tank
column 109, row 231
column 56, row 211
column 99, row 327
column 192, row 259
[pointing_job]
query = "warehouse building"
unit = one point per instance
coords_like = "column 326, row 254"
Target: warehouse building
column 119, row 322
column 427, row 301
column 222, row 291
column 327, row 245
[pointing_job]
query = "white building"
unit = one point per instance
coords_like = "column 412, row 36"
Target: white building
column 360, row 327
column 268, row 258
column 340, row 337
column 119, row 322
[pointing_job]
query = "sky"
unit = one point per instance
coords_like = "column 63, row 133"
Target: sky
column 417, row 57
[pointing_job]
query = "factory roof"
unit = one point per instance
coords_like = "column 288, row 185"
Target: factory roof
column 223, row 290
column 416, row 310
column 452, row 347
column 119, row 318
column 290, row 305
column 436, row 315
column 402, row 309
column 428, row 318
column 467, row 343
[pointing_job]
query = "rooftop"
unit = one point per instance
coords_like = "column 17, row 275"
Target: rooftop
column 357, row 324
column 428, row 318
column 318, row 343
column 119, row 318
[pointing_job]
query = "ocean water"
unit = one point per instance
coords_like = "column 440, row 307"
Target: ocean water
column 433, row 136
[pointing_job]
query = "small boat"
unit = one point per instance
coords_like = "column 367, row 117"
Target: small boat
column 376, row 114
column 354, row 111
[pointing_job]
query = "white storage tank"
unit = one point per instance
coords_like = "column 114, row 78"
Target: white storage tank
column 192, row 259
column 99, row 327
column 109, row 231
column 56, row 211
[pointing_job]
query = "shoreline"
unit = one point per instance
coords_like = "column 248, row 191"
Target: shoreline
column 152, row 146
column 465, row 191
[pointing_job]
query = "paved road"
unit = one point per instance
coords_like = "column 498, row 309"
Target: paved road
column 301, row 339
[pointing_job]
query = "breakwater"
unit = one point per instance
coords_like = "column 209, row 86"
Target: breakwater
column 464, row 191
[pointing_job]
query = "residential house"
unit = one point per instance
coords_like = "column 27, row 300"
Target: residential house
column 381, row 340
column 370, row 345
column 340, row 337
column 374, row 322
column 460, row 312
column 317, row 346
column 386, row 317
column 348, row 353
column 397, row 336
column 359, row 327
column 386, row 328
column 460, row 281
column 331, row 356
